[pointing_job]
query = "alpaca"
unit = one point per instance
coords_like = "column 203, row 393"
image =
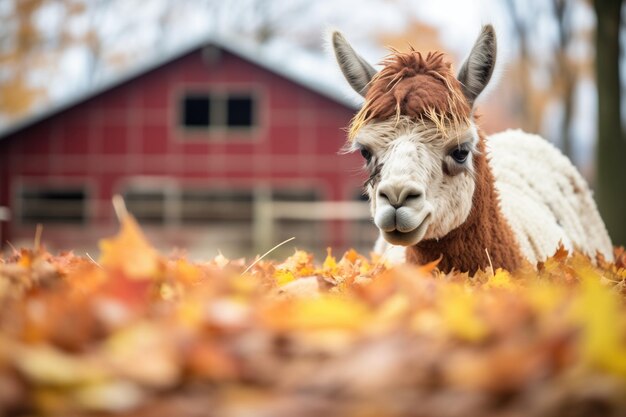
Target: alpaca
column 439, row 188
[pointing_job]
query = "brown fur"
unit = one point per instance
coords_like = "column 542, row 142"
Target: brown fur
column 413, row 86
column 485, row 228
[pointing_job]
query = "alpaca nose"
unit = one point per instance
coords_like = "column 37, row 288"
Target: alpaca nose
column 399, row 194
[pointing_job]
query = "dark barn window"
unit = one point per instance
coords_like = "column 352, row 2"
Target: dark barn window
column 196, row 111
column 147, row 205
column 240, row 111
column 227, row 111
column 39, row 204
column 198, row 206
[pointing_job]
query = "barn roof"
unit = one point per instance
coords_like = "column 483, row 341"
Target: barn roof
column 250, row 52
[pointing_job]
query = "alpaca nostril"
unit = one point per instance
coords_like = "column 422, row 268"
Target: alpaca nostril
column 397, row 195
column 410, row 194
column 390, row 199
column 382, row 194
column 413, row 196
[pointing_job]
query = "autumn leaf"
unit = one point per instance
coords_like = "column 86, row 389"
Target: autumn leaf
column 501, row 279
column 143, row 353
column 130, row 252
column 284, row 277
column 45, row 364
column 330, row 267
column 300, row 264
column 458, row 309
column 600, row 314
column 324, row 312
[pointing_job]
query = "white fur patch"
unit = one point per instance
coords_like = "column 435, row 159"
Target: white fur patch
column 544, row 198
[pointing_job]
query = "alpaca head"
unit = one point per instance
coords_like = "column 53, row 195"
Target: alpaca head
column 417, row 136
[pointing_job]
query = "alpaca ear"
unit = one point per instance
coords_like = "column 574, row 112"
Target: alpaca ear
column 478, row 67
column 357, row 71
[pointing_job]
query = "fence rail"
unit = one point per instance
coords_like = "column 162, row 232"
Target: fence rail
column 267, row 213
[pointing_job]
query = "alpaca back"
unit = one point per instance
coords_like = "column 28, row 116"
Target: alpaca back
column 544, row 198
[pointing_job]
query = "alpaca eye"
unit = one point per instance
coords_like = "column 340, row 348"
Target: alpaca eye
column 459, row 155
column 366, row 154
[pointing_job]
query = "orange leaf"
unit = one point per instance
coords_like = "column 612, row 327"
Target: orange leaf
column 130, row 252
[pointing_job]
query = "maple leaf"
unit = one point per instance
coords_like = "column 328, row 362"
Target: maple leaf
column 283, row 277
column 130, row 252
column 300, row 264
column 501, row 279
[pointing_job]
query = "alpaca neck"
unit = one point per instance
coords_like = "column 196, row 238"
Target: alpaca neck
column 484, row 239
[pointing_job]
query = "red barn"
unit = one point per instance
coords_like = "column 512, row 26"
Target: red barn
column 197, row 145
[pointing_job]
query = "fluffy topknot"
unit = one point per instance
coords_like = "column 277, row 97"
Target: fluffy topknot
column 417, row 87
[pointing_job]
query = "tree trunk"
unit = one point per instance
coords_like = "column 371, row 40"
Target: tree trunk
column 564, row 72
column 611, row 154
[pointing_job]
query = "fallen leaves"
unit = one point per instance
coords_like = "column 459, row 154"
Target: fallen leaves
column 140, row 334
column 328, row 312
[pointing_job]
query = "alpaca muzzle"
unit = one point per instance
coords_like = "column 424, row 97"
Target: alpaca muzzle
column 402, row 214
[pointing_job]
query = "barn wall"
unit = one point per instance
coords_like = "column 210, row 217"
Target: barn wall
column 131, row 134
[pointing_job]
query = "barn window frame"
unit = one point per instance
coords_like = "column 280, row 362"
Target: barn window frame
column 218, row 117
column 146, row 188
column 237, row 202
column 177, row 199
column 50, row 212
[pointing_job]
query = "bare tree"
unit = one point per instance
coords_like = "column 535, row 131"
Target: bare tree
column 562, row 69
column 564, row 72
column 522, row 28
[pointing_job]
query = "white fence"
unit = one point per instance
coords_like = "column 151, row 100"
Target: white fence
column 268, row 212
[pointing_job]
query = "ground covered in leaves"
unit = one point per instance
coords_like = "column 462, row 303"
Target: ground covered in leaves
column 136, row 333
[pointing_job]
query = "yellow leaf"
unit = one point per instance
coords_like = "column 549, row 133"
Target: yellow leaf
column 130, row 252
column 111, row 396
column 325, row 312
column 283, row 277
column 300, row 264
column 144, row 353
column 458, row 311
column 365, row 268
column 501, row 279
column 48, row 365
column 393, row 309
column 330, row 263
column 597, row 310
column 545, row 297
column 190, row 313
